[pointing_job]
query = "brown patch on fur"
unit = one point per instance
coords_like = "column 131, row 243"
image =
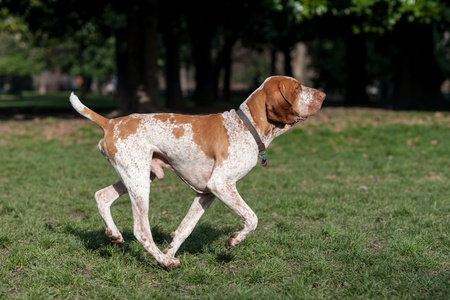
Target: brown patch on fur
column 178, row 132
column 126, row 126
column 86, row 112
column 209, row 133
column 256, row 106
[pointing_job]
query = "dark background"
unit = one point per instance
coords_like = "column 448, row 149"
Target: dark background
column 391, row 54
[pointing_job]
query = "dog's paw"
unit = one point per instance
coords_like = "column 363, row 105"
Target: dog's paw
column 116, row 239
column 166, row 251
column 231, row 242
column 170, row 262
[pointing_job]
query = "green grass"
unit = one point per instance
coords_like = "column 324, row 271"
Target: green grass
column 362, row 211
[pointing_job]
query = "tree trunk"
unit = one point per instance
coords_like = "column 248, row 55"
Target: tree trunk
column 204, row 71
column 123, row 91
column 134, row 57
column 171, row 27
column 417, row 77
column 150, row 56
column 136, row 54
column 356, row 60
column 273, row 58
column 227, row 52
column 201, row 38
column 287, row 61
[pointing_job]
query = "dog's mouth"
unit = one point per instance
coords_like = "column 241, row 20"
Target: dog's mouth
column 300, row 119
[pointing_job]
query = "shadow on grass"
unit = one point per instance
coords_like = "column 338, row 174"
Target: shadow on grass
column 197, row 243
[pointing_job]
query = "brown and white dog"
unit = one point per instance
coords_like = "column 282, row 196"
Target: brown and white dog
column 209, row 153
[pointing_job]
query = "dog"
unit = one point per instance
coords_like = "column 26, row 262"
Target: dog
column 209, row 153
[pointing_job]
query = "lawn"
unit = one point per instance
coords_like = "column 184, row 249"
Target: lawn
column 54, row 101
column 355, row 203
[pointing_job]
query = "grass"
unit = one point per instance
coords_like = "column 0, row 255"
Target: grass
column 352, row 205
column 54, row 100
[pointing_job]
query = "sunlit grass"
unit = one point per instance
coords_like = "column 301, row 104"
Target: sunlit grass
column 360, row 212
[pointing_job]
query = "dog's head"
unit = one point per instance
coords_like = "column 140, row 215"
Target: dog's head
column 288, row 101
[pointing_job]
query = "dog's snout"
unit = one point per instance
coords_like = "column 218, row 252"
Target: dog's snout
column 321, row 96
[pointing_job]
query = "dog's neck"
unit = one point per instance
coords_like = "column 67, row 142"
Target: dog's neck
column 255, row 110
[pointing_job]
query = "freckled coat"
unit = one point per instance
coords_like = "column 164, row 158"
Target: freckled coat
column 192, row 146
column 209, row 153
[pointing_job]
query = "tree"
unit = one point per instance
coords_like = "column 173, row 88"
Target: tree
column 86, row 24
column 93, row 31
column 71, row 39
column 19, row 59
column 140, row 92
column 417, row 77
column 410, row 26
column 202, row 29
column 171, row 25
column 216, row 32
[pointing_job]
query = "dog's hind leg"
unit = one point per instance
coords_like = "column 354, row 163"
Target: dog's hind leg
column 134, row 169
column 138, row 185
column 198, row 207
column 105, row 198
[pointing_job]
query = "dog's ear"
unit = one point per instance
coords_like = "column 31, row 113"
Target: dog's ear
column 284, row 93
column 279, row 103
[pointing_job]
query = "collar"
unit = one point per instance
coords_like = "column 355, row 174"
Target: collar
column 252, row 129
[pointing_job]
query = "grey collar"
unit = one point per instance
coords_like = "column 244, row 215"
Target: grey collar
column 252, row 129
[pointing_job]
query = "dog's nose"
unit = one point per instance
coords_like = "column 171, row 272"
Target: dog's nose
column 321, row 96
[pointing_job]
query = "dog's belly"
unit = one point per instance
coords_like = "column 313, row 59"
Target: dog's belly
column 195, row 175
column 185, row 152
column 189, row 163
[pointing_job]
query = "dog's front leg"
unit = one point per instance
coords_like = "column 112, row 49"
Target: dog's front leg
column 198, row 207
column 228, row 194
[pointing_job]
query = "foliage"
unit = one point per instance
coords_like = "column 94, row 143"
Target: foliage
column 78, row 47
column 92, row 39
column 93, row 58
column 383, row 14
column 376, row 15
column 352, row 205
column 17, row 54
column 17, row 57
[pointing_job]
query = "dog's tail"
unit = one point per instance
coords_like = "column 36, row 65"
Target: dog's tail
column 87, row 112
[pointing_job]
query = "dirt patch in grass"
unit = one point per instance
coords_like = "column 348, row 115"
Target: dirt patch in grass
column 47, row 128
column 13, row 291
